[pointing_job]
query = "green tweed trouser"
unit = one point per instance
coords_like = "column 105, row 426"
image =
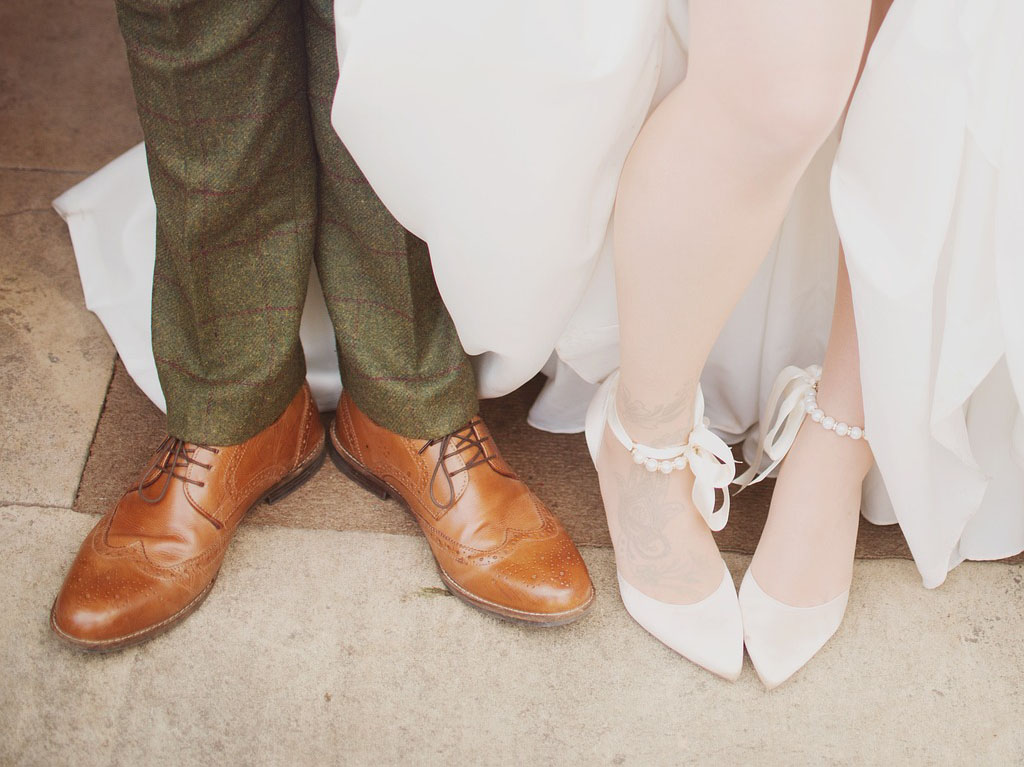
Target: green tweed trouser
column 251, row 185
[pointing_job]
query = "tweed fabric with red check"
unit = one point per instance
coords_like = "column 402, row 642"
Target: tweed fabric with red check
column 252, row 186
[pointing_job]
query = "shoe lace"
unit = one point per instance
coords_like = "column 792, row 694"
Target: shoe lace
column 456, row 443
column 174, row 454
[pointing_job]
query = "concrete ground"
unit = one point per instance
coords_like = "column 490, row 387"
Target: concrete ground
column 340, row 647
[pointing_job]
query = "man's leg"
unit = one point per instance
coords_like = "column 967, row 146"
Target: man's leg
column 221, row 92
column 401, row 359
column 406, row 425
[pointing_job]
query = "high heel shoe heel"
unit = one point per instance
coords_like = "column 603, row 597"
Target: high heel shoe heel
column 708, row 632
column 780, row 638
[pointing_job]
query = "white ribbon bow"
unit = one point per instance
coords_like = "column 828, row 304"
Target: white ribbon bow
column 713, row 467
column 791, row 387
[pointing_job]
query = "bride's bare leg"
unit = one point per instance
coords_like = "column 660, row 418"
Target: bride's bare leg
column 805, row 555
column 701, row 197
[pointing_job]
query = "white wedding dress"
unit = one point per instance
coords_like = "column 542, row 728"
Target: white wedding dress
column 496, row 132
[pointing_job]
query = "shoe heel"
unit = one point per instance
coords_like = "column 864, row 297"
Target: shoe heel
column 347, row 467
column 292, row 484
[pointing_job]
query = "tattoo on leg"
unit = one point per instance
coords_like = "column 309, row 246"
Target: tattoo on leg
column 655, row 418
column 644, row 514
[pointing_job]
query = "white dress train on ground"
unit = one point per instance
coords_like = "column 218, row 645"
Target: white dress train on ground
column 496, row 132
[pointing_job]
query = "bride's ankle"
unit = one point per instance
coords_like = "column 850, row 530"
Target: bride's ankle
column 656, row 421
column 845, row 461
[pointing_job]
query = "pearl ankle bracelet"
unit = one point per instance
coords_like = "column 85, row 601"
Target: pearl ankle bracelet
column 827, row 422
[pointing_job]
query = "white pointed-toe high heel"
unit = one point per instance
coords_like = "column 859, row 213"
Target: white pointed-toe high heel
column 781, row 638
column 709, row 632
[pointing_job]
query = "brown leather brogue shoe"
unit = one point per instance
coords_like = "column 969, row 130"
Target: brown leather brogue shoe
column 152, row 560
column 496, row 545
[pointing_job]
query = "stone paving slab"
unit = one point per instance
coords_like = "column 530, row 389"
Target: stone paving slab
column 340, row 648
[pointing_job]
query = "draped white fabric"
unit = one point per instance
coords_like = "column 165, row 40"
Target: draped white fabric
column 928, row 190
column 497, row 132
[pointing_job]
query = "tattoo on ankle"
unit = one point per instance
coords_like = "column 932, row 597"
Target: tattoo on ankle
column 644, row 514
column 663, row 419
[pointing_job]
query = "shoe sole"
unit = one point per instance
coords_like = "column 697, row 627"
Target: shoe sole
column 285, row 487
column 349, row 466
